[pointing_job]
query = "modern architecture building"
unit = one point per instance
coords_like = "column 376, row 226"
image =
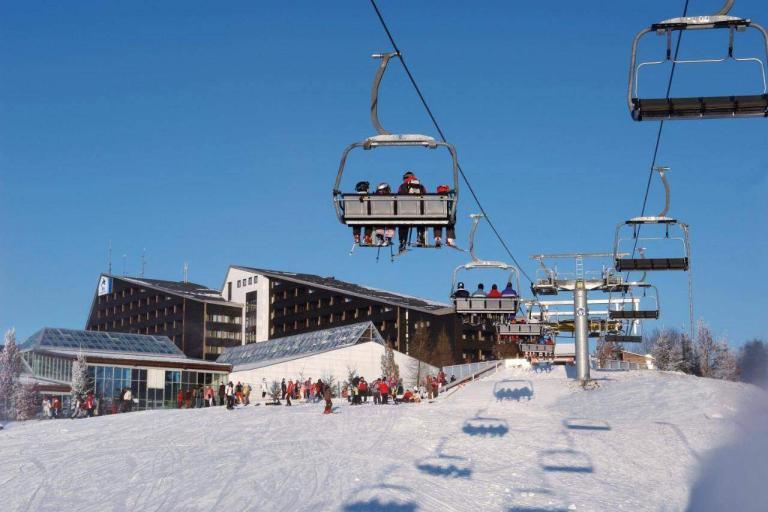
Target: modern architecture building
column 153, row 367
column 279, row 304
column 194, row 317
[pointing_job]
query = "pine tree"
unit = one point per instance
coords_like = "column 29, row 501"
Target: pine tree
column 388, row 366
column 10, row 369
column 275, row 391
column 753, row 362
column 662, row 351
column 725, row 365
column 25, row 400
column 79, row 375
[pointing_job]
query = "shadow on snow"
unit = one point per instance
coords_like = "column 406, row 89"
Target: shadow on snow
column 486, row 427
column 513, row 390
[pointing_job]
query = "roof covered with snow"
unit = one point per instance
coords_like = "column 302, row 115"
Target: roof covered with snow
column 331, row 283
column 188, row 290
column 72, row 340
column 278, row 350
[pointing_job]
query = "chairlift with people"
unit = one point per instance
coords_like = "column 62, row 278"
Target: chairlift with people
column 482, row 307
column 385, row 210
column 698, row 107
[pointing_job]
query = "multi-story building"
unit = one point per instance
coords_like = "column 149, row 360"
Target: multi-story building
column 194, row 317
column 279, row 304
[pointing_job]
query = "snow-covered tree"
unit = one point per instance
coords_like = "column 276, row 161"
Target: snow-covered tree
column 10, row 369
column 725, row 364
column 25, row 401
column 275, row 391
column 79, row 375
column 388, row 366
column 753, row 362
column 707, row 349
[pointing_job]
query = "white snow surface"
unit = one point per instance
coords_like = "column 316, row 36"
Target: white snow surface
column 512, row 441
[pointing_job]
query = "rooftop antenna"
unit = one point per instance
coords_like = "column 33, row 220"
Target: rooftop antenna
column 143, row 261
column 109, row 258
column 186, row 272
column 124, row 258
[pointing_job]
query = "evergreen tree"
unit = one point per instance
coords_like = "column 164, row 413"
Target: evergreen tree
column 79, row 375
column 388, row 366
column 662, row 351
column 753, row 362
column 25, row 400
column 10, row 369
column 725, row 364
column 275, row 391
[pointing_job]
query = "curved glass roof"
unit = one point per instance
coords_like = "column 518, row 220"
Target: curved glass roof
column 99, row 341
column 270, row 352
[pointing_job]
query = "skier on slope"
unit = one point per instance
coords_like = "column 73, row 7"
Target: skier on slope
column 328, row 400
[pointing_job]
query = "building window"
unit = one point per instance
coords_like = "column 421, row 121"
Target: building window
column 238, row 283
column 250, row 280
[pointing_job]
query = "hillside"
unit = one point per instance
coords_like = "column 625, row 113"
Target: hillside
column 511, row 441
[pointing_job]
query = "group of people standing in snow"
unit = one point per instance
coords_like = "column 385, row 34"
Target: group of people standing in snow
column 87, row 406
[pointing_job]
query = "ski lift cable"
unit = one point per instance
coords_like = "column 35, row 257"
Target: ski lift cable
column 432, row 117
column 659, row 133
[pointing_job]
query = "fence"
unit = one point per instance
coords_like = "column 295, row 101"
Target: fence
column 463, row 370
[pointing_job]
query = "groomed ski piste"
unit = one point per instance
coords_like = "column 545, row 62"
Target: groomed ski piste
column 511, row 441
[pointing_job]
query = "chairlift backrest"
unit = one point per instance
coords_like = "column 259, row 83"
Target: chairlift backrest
column 698, row 107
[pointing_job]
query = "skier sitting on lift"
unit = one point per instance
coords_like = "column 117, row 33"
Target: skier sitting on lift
column 480, row 292
column 411, row 185
column 437, row 231
column 494, row 293
column 384, row 234
column 460, row 292
column 509, row 291
column 362, row 189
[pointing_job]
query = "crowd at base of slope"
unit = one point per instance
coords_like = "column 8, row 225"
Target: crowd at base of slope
column 357, row 391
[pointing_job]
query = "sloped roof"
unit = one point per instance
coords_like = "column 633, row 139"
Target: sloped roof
column 331, row 283
column 192, row 291
column 278, row 350
column 73, row 340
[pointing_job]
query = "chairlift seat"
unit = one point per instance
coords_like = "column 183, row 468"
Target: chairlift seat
column 520, row 329
column 544, row 288
column 634, row 314
column 537, row 347
column 485, row 305
column 622, row 338
column 705, row 107
column 647, row 264
column 398, row 210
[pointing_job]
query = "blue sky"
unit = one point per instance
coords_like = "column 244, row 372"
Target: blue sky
column 211, row 134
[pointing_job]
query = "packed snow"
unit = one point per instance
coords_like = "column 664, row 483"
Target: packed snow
column 512, row 441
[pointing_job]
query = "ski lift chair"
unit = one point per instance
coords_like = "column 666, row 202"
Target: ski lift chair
column 645, row 307
column 674, row 231
column 702, row 107
column 623, row 333
column 496, row 309
column 370, row 210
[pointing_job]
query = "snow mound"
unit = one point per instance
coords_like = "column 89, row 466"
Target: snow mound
column 512, row 441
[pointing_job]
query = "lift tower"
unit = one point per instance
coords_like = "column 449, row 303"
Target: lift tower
column 580, row 283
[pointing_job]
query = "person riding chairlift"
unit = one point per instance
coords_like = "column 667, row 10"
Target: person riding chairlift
column 460, row 292
column 494, row 293
column 362, row 188
column 437, row 231
column 480, row 292
column 411, row 185
column 384, row 235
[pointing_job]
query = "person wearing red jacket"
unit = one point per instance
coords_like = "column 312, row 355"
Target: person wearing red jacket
column 180, row 398
column 89, row 405
column 384, row 391
column 411, row 185
column 363, row 389
column 494, row 293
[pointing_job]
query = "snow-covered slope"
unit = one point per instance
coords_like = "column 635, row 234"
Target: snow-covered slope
column 511, row 441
